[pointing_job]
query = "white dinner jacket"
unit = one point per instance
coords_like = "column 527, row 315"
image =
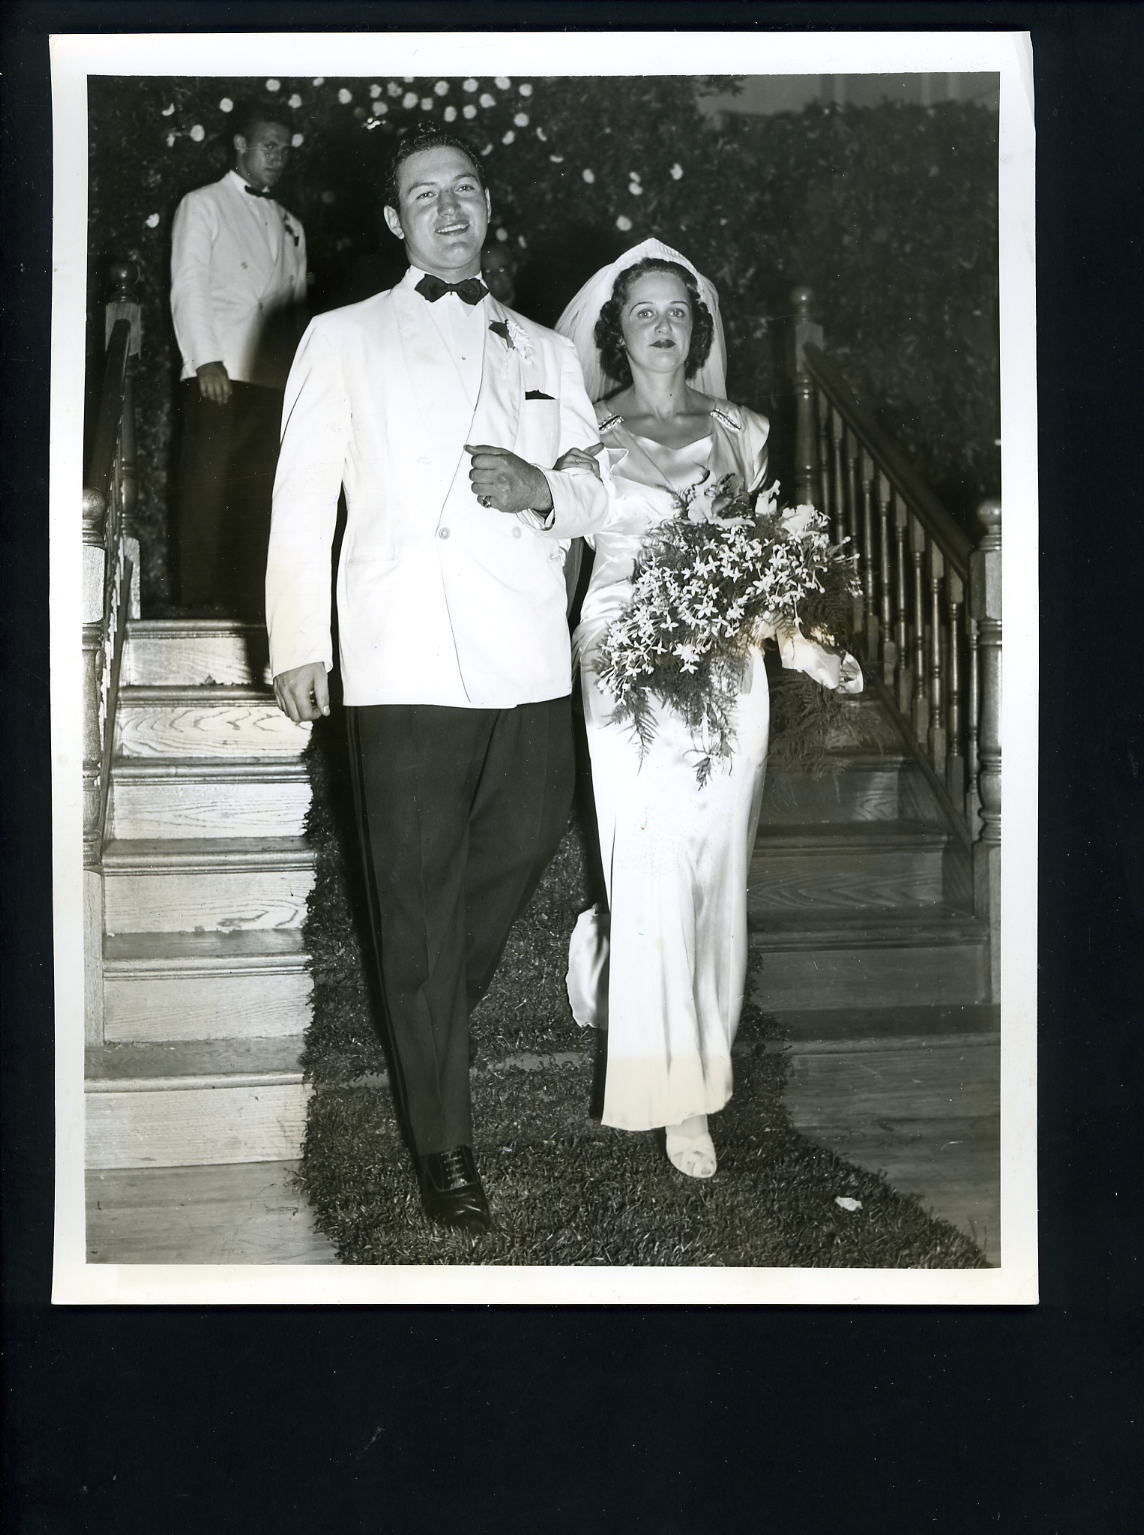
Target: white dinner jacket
column 440, row 600
column 235, row 298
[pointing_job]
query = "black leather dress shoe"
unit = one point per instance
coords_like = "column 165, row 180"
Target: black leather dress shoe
column 451, row 1191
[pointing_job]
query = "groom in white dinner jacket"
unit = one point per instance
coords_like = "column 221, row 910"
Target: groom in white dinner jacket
column 432, row 405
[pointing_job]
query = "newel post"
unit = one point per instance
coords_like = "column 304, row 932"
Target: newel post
column 805, row 331
column 123, row 305
column 985, row 600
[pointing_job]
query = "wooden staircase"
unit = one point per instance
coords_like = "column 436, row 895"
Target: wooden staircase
column 860, row 891
column 205, row 877
column 860, row 899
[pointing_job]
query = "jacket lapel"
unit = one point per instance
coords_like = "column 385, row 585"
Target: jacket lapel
column 258, row 262
column 499, row 400
column 429, row 417
column 496, row 415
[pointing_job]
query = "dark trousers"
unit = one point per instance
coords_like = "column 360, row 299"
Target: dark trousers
column 459, row 811
column 226, row 477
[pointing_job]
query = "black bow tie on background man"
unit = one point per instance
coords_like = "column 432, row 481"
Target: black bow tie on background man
column 258, row 191
column 470, row 290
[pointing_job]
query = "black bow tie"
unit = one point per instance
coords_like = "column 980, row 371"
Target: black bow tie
column 470, row 290
column 258, row 191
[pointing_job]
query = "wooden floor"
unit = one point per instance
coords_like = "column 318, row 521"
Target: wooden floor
column 921, row 1110
column 249, row 1212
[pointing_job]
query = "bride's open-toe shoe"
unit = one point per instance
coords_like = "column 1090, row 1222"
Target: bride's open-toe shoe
column 690, row 1148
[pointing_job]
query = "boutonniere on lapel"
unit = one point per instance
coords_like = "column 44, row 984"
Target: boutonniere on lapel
column 513, row 337
column 290, row 230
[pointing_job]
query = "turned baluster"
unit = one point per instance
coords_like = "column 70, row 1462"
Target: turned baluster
column 985, row 597
column 904, row 681
column 852, row 492
column 805, row 331
column 885, row 590
column 867, row 567
column 954, row 761
column 837, row 479
column 919, row 710
column 123, row 305
column 972, row 726
column 937, row 732
column 825, row 489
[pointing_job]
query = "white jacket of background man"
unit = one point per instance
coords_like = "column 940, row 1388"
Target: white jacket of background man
column 440, row 600
column 238, row 275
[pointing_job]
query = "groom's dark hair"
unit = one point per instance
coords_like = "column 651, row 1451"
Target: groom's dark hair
column 609, row 334
column 427, row 138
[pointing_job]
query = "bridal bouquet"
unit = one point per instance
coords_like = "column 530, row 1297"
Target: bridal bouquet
column 709, row 585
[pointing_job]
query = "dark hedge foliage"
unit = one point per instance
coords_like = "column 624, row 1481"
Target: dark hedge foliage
column 888, row 213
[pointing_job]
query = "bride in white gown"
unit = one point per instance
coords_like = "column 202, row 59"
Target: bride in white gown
column 664, row 968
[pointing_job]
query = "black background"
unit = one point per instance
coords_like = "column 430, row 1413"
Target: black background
column 667, row 1419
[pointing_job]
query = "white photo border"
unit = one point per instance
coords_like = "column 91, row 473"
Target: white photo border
column 1009, row 54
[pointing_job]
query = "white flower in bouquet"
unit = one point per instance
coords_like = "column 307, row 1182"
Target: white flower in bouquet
column 801, row 520
column 709, row 586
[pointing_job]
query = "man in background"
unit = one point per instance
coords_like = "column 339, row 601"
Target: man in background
column 498, row 268
column 238, row 285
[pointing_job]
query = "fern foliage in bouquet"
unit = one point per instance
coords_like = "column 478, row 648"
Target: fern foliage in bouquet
column 710, row 585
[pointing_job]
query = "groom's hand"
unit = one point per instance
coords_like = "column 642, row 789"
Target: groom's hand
column 511, row 484
column 303, row 693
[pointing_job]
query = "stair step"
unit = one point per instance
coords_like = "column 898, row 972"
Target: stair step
column 184, row 986
column 845, row 1028
column 812, row 961
column 194, row 1104
column 864, row 725
column 228, row 797
column 172, row 885
column 205, row 722
column 173, row 652
column 908, row 1081
column 855, row 786
column 858, row 866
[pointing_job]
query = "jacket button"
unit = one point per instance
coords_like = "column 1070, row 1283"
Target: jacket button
column 442, row 532
column 516, row 532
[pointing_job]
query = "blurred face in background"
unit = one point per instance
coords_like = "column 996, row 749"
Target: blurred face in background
column 498, row 268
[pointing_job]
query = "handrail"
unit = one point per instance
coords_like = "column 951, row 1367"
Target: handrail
column 105, row 440
column 893, row 463
column 110, row 555
column 927, row 622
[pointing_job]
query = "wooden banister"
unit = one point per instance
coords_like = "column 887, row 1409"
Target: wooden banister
column 928, row 622
column 97, row 491
column 110, row 552
column 889, row 457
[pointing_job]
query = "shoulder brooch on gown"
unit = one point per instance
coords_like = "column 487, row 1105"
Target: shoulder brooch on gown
column 608, row 422
column 723, row 413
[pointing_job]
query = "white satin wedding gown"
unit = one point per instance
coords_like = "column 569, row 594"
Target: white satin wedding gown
column 664, row 969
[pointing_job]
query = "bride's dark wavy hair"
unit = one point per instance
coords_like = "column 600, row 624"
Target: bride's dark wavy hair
column 609, row 333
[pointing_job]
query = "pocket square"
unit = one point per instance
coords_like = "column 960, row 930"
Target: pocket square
column 537, row 394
